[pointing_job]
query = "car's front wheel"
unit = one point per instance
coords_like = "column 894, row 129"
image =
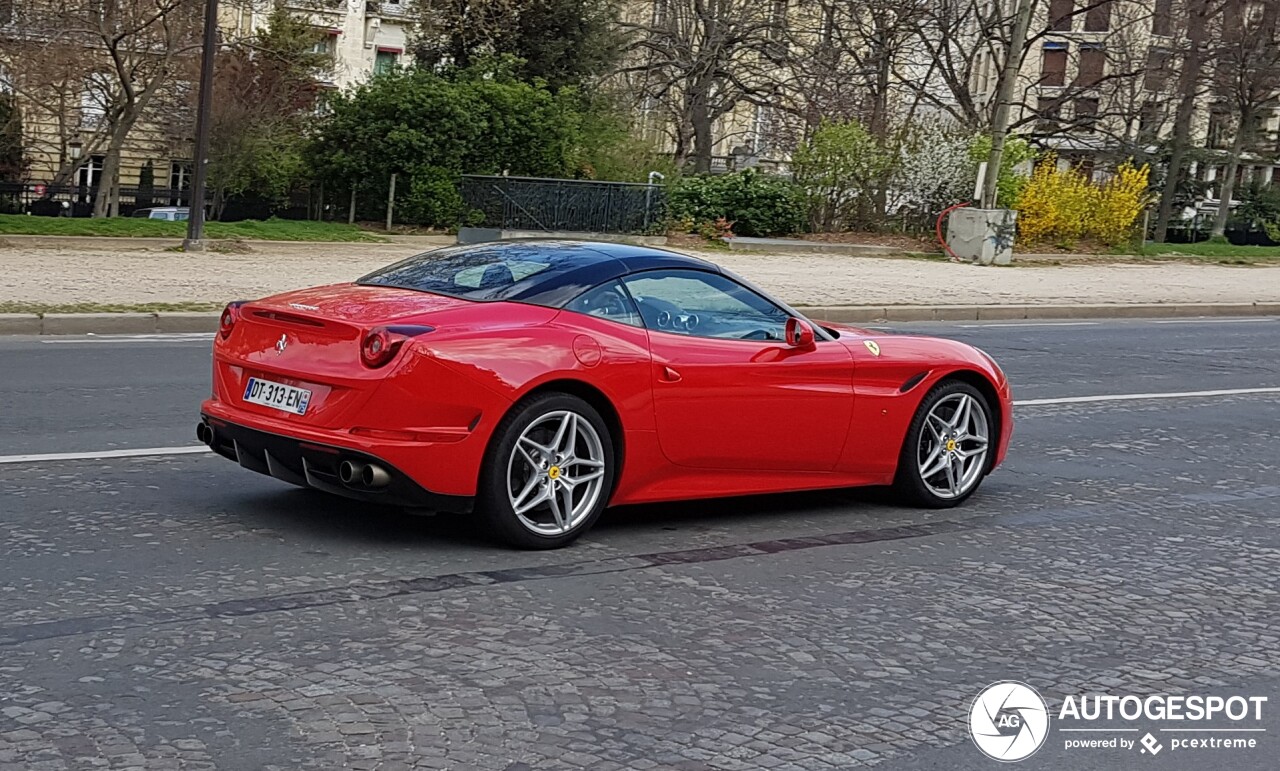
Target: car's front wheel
column 947, row 449
column 548, row 473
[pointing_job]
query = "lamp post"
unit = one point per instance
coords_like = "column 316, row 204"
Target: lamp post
column 194, row 241
column 75, row 148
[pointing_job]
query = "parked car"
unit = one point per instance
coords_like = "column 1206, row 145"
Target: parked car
column 169, row 213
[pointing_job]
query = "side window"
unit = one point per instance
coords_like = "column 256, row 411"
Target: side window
column 607, row 301
column 690, row 302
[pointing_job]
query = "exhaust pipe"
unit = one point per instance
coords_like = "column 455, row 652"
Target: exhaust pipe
column 204, row 433
column 375, row 476
column 350, row 473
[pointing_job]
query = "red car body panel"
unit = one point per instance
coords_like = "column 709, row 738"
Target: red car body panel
column 693, row 417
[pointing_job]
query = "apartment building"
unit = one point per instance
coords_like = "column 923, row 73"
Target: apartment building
column 1099, row 83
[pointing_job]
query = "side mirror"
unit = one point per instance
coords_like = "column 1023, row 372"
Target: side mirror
column 799, row 333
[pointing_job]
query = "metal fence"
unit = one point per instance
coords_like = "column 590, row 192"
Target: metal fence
column 572, row 205
column 77, row 200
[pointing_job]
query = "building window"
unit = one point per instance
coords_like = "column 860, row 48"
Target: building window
column 1098, row 18
column 1093, row 63
column 1061, row 15
column 1049, row 110
column 1084, row 165
column 1162, row 18
column 326, row 44
column 1216, row 138
column 91, row 111
column 1157, row 73
column 1148, row 122
column 1086, row 109
column 90, row 171
column 1053, row 65
column 179, row 175
column 385, row 60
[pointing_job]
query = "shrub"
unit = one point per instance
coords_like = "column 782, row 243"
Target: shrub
column 757, row 204
column 1063, row 206
column 841, row 167
column 1118, row 203
column 1009, row 184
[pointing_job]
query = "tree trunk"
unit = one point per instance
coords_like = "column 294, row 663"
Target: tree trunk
column 703, row 140
column 1004, row 101
column 106, row 194
column 1188, row 83
column 1228, row 187
column 108, row 181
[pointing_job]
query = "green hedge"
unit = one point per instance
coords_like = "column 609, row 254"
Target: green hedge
column 757, row 204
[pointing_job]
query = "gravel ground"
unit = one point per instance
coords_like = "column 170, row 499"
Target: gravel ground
column 93, row 274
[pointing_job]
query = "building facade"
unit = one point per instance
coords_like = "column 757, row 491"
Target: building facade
column 63, row 112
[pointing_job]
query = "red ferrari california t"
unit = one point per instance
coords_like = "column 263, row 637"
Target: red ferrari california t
column 537, row 382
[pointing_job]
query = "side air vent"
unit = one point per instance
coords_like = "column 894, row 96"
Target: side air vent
column 912, row 382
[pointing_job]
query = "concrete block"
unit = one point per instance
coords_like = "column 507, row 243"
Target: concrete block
column 478, row 235
column 99, row 323
column 187, row 322
column 19, row 324
column 984, row 236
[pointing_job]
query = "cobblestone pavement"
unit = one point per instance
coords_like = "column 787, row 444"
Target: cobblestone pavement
column 180, row 613
column 79, row 275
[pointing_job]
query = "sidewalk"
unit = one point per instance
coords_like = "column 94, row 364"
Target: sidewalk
column 64, row 275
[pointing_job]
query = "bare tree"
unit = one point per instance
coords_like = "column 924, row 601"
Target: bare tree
column 128, row 52
column 700, row 59
column 1191, row 52
column 1246, row 77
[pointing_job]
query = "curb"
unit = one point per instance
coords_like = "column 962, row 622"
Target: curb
column 106, row 323
column 170, row 323
column 864, row 313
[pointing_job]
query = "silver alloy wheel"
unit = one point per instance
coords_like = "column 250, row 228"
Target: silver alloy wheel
column 952, row 455
column 555, row 475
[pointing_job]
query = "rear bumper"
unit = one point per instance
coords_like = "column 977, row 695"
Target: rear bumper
column 314, row 464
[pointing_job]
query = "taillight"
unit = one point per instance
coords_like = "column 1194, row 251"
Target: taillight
column 381, row 344
column 230, row 315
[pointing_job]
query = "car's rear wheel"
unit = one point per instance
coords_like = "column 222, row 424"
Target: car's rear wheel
column 947, row 450
column 548, row 473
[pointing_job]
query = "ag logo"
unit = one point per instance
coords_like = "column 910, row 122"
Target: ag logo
column 1008, row 721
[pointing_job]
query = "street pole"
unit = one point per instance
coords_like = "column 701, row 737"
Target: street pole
column 195, row 222
column 391, row 200
column 1004, row 101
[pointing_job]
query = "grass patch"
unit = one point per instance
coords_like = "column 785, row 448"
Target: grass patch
column 1210, row 251
column 129, row 227
column 43, row 308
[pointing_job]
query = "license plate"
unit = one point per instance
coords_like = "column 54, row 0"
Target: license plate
column 282, row 397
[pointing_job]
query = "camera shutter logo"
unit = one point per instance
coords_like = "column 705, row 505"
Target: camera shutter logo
column 1008, row 721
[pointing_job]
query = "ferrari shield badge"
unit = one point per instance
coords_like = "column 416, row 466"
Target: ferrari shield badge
column 872, row 346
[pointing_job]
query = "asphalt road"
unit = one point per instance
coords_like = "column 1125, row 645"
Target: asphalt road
column 179, row 612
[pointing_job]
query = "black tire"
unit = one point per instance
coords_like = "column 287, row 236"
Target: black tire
column 493, row 503
column 908, row 484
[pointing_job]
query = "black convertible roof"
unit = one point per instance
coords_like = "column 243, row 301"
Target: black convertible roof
column 571, row 267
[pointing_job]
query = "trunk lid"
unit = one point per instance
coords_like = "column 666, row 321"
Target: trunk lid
column 310, row 339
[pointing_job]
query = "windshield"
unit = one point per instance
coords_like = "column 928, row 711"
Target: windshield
column 484, row 272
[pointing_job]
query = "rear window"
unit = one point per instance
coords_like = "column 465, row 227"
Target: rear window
column 485, row 272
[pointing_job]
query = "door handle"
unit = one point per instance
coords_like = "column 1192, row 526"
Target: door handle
column 669, row 375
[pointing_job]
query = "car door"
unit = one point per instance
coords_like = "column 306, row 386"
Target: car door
column 729, row 392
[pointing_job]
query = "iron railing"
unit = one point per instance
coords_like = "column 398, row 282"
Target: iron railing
column 77, row 200
column 566, row 205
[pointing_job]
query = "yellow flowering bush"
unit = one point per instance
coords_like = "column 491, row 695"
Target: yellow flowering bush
column 1120, row 201
column 1063, row 205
